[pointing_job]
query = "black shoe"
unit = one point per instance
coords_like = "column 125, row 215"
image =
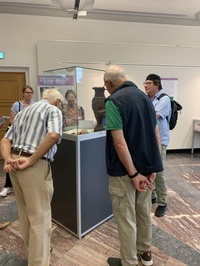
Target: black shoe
column 146, row 258
column 114, row 262
column 160, row 211
column 153, row 200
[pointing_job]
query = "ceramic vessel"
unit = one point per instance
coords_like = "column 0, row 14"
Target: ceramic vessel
column 98, row 106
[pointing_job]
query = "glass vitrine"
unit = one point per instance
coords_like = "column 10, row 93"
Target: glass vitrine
column 84, row 98
column 81, row 199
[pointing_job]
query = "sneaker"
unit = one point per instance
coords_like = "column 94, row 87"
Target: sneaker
column 153, row 200
column 146, row 258
column 4, row 225
column 160, row 211
column 5, row 192
column 114, row 262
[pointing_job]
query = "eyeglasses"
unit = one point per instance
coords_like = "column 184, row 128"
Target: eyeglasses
column 147, row 83
column 28, row 92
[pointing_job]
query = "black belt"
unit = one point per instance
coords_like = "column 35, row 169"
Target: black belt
column 22, row 153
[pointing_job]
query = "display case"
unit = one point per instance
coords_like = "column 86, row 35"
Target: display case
column 81, row 200
column 84, row 98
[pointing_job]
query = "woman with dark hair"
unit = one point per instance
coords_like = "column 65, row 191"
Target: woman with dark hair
column 71, row 111
column 27, row 93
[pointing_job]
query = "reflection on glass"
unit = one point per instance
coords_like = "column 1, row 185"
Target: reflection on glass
column 71, row 111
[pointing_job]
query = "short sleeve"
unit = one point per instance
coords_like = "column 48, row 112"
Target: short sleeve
column 113, row 117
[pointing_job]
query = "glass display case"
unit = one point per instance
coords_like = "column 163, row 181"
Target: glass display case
column 84, row 94
column 81, row 200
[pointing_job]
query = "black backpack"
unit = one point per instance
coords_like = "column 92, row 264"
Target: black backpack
column 175, row 106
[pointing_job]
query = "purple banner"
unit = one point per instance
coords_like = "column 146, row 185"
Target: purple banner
column 55, row 81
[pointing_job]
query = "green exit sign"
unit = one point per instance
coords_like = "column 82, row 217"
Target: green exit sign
column 2, row 55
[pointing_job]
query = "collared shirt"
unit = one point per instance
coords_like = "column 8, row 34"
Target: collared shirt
column 163, row 109
column 31, row 126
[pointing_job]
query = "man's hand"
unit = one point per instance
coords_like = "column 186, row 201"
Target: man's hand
column 8, row 166
column 151, row 177
column 141, row 183
column 12, row 165
column 21, row 163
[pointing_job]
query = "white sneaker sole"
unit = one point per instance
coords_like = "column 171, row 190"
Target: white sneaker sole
column 144, row 262
column 5, row 195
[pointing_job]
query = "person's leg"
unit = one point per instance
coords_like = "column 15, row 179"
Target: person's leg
column 160, row 182
column 6, row 189
column 122, row 193
column 38, row 194
column 4, row 225
column 143, row 217
column 144, row 226
column 37, row 187
column 8, row 181
column 21, row 206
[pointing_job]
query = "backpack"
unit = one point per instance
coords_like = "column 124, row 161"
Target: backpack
column 175, row 106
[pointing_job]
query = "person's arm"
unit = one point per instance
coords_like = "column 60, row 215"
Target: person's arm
column 6, row 145
column 158, row 137
column 140, row 182
column 46, row 144
column 12, row 116
column 14, row 110
column 122, row 151
column 162, row 107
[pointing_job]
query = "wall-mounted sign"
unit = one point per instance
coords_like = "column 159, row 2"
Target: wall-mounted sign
column 55, row 81
column 170, row 86
column 2, row 55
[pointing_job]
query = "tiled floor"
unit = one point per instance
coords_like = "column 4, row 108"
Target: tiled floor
column 176, row 236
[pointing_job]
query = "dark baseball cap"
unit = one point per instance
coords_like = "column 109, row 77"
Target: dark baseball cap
column 153, row 77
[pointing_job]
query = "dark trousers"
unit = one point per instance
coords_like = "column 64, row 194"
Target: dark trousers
column 8, row 181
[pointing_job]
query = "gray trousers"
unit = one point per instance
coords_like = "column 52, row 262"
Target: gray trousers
column 132, row 212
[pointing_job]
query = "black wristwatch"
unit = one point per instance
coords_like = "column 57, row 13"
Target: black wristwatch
column 132, row 176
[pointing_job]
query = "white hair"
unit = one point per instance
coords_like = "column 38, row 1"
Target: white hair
column 114, row 74
column 52, row 95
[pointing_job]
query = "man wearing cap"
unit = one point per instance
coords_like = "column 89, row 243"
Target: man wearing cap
column 162, row 107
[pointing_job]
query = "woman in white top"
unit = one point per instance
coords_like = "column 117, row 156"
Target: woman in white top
column 27, row 93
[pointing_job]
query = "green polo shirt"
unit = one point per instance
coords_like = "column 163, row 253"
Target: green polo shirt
column 113, row 116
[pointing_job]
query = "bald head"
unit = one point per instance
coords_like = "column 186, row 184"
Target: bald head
column 115, row 76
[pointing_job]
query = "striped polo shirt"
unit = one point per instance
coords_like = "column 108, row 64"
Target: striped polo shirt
column 31, row 125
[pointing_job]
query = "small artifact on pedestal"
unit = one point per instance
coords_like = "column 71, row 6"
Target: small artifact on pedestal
column 98, row 106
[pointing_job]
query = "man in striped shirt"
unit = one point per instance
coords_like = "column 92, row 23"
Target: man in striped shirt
column 27, row 148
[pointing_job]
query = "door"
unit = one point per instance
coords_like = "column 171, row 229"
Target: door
column 11, row 84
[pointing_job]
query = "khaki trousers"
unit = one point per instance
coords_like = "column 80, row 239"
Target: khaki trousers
column 160, row 190
column 132, row 212
column 33, row 189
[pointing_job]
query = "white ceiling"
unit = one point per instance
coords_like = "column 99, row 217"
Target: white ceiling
column 179, row 12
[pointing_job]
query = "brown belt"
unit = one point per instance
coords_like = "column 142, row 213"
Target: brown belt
column 22, row 153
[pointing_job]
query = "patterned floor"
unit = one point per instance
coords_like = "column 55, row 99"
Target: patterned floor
column 176, row 236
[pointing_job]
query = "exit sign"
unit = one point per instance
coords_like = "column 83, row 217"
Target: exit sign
column 2, row 55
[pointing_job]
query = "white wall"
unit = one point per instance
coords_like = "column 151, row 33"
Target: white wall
column 170, row 51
